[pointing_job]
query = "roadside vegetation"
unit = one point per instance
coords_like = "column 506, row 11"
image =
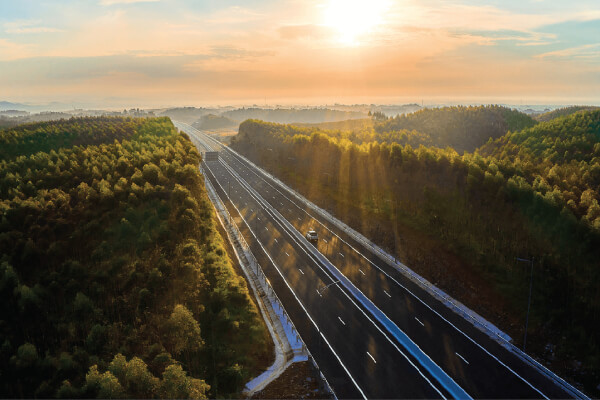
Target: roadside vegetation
column 530, row 193
column 114, row 279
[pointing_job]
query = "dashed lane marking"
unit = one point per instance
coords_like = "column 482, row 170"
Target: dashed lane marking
column 461, row 357
column 372, row 357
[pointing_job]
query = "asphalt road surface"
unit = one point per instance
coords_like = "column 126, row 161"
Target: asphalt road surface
column 373, row 332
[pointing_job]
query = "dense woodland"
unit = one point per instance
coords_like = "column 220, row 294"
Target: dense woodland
column 114, row 279
column 562, row 112
column 532, row 194
column 462, row 128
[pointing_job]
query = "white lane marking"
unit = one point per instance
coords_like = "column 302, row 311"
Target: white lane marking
column 299, row 219
column 266, row 228
column 320, row 295
column 258, row 218
column 399, row 284
column 462, row 358
column 388, row 295
column 281, row 203
column 286, row 253
column 302, row 272
column 341, row 254
column 361, row 271
column 276, row 241
column 341, row 321
column 320, row 332
column 325, row 240
column 419, row 321
column 372, row 357
column 289, row 209
column 252, row 209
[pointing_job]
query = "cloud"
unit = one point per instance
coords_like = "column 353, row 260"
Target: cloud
column 27, row 26
column 112, row 2
column 588, row 51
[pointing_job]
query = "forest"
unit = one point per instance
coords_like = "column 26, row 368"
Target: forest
column 530, row 191
column 462, row 128
column 114, row 278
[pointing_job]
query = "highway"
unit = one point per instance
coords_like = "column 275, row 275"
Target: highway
column 373, row 332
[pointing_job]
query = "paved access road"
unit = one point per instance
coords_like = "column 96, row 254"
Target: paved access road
column 357, row 351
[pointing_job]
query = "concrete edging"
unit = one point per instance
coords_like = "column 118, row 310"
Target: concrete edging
column 284, row 355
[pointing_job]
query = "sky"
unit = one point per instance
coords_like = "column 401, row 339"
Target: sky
column 155, row 53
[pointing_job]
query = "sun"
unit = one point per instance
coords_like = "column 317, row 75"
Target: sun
column 352, row 19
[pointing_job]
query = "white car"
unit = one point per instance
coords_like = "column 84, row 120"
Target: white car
column 312, row 236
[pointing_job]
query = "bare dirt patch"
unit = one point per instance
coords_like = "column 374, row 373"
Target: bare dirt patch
column 299, row 381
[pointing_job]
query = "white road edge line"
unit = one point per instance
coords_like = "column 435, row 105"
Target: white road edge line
column 392, row 278
column 302, row 306
column 349, row 298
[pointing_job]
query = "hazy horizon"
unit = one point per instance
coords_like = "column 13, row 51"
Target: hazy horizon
column 157, row 53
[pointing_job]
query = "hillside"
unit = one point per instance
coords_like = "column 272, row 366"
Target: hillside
column 346, row 125
column 461, row 221
column 114, row 279
column 290, row 115
column 186, row 114
column 560, row 158
column 563, row 112
column 462, row 128
column 212, row 122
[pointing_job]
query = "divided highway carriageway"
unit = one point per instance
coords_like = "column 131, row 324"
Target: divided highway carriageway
column 373, row 332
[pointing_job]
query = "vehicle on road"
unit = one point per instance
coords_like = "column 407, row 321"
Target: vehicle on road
column 312, row 236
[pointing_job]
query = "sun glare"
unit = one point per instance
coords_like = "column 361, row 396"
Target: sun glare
column 354, row 18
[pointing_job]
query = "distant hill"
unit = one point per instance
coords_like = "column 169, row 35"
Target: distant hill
column 462, row 128
column 393, row 110
column 7, row 105
column 561, row 112
column 292, row 115
column 347, row 125
column 18, row 119
column 188, row 115
column 212, row 121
